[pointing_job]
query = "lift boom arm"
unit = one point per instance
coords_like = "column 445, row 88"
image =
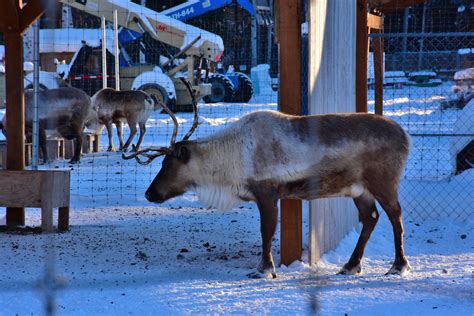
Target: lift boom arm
column 161, row 27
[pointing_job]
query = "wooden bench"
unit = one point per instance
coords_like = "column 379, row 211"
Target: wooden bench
column 45, row 189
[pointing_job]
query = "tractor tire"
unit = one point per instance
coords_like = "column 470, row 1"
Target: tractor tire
column 159, row 92
column 245, row 92
column 222, row 89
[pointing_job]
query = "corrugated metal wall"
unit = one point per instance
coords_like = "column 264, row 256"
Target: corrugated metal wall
column 331, row 84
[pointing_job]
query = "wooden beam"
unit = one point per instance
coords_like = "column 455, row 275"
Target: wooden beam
column 362, row 52
column 396, row 5
column 377, row 45
column 15, row 113
column 375, row 21
column 9, row 16
column 289, row 24
column 31, row 12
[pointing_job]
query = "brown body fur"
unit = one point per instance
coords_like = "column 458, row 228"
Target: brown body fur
column 64, row 110
column 267, row 156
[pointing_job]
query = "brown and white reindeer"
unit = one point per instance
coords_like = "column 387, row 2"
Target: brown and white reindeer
column 132, row 106
column 65, row 111
column 267, row 156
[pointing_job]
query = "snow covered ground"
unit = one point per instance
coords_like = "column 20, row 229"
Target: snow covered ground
column 125, row 256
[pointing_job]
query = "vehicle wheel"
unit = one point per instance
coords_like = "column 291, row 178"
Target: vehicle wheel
column 159, row 92
column 245, row 92
column 222, row 89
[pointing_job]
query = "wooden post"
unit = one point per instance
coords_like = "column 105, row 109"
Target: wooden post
column 15, row 114
column 378, row 70
column 362, row 52
column 15, row 18
column 289, row 35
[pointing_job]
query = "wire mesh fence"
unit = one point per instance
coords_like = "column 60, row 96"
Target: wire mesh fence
column 424, row 92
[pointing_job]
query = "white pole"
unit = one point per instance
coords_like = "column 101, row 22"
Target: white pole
column 104, row 54
column 36, row 63
column 116, row 52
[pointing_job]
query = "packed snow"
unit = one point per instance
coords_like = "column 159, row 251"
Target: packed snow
column 124, row 255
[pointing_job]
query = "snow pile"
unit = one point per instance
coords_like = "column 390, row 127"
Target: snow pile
column 464, row 74
column 463, row 125
column 465, row 51
column 260, row 76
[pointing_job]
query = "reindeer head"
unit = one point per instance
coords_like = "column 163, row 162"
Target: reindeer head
column 172, row 180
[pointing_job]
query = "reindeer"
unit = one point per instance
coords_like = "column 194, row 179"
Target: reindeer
column 65, row 110
column 267, row 155
column 114, row 106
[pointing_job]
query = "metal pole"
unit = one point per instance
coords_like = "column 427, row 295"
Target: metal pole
column 253, row 39
column 420, row 54
column 104, row 54
column 36, row 63
column 116, row 52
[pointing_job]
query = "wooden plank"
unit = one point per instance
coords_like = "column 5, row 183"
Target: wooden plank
column 289, row 22
column 362, row 53
column 332, row 74
column 375, row 21
column 31, row 12
column 391, row 6
column 378, row 71
column 28, row 188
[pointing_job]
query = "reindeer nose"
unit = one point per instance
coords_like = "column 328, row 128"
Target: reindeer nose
column 147, row 195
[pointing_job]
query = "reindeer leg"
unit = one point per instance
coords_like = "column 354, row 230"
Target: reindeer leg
column 268, row 221
column 394, row 212
column 119, row 126
column 108, row 125
column 142, row 134
column 42, row 142
column 133, row 132
column 77, row 150
column 369, row 216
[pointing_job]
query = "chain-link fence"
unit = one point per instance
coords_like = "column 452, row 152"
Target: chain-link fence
column 428, row 89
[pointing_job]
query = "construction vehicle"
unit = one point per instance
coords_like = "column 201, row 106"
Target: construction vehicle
column 227, row 85
column 198, row 47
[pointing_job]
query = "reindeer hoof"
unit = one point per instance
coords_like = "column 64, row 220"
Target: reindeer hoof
column 111, row 149
column 399, row 268
column 349, row 270
column 262, row 275
column 73, row 161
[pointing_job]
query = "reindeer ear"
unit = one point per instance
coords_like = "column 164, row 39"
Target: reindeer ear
column 183, row 154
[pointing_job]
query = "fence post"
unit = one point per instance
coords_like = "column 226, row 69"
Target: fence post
column 289, row 36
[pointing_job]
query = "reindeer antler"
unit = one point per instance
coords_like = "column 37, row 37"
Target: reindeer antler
column 160, row 151
column 194, row 103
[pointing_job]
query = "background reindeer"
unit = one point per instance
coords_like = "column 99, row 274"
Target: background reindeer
column 114, row 106
column 356, row 155
column 65, row 111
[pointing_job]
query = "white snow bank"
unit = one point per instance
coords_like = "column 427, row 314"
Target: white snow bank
column 463, row 125
column 422, row 73
column 464, row 74
column 465, row 51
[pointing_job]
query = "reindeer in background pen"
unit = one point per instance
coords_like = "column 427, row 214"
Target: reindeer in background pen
column 132, row 106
